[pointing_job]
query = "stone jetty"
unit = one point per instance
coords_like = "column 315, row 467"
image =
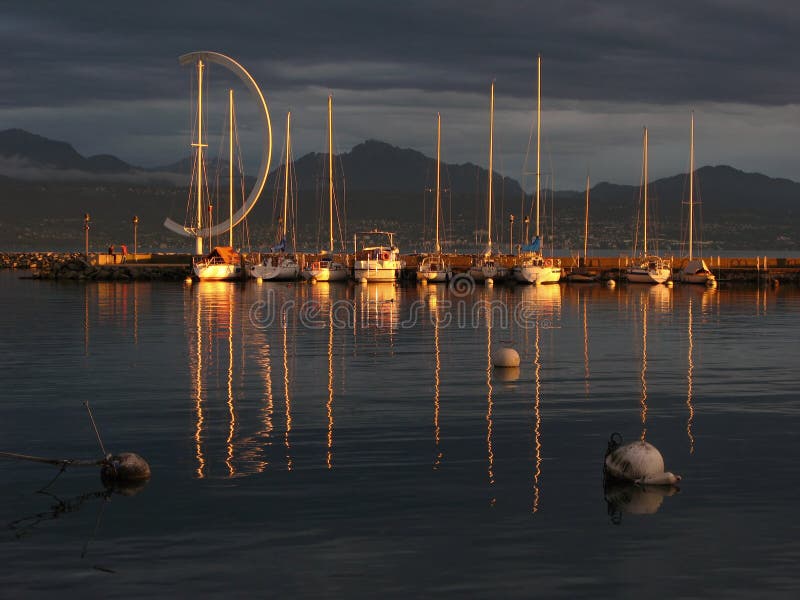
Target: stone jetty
column 99, row 267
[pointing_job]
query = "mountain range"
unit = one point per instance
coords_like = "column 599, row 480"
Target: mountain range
column 46, row 185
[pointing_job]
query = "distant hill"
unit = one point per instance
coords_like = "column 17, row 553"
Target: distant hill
column 384, row 186
column 31, row 150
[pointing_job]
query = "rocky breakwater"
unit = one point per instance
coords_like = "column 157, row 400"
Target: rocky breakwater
column 34, row 260
column 74, row 266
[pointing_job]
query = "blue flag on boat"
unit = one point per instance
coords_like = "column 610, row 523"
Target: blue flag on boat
column 534, row 246
column 280, row 247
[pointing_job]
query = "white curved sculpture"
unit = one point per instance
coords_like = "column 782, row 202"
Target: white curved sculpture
column 266, row 157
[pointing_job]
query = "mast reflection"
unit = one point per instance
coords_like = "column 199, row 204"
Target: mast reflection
column 436, row 381
column 643, row 377
column 197, row 383
column 489, row 407
column 537, row 429
column 689, row 389
column 329, row 405
column 287, row 397
column 585, row 349
column 231, row 407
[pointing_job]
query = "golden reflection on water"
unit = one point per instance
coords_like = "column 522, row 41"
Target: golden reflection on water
column 197, row 380
column 689, row 374
column 643, row 376
column 537, row 430
column 489, row 407
column 231, row 407
column 329, row 405
column 86, row 320
column 135, row 312
column 265, row 364
column 436, row 382
column 585, row 349
column 288, row 401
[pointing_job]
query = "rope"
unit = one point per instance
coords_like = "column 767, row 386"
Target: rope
column 59, row 462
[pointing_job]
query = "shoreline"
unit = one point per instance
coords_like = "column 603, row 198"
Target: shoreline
column 176, row 267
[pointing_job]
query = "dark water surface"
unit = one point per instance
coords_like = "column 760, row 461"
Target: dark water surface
column 357, row 444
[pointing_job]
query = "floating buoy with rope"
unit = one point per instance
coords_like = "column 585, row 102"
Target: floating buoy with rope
column 115, row 469
column 638, row 462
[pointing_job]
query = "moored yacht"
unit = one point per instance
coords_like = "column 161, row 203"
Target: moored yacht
column 281, row 266
column 327, row 268
column 647, row 268
column 434, row 269
column 377, row 262
column 532, row 266
column 695, row 270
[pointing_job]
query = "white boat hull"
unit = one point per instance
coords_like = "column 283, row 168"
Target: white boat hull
column 217, row 271
column 640, row 275
column 287, row 270
column 537, row 275
column 696, row 271
column 483, row 272
column 702, row 278
column 434, row 276
column 335, row 273
column 379, row 271
column 580, row 277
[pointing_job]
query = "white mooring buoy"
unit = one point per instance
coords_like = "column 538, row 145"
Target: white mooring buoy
column 638, row 462
column 505, row 358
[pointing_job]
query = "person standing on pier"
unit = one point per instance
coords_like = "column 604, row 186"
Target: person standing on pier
column 124, row 252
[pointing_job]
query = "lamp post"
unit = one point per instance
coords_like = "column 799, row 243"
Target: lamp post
column 511, row 234
column 135, row 246
column 86, row 220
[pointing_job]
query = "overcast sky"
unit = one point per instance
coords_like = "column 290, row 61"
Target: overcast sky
column 105, row 77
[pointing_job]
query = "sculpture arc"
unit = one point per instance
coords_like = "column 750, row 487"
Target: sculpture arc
column 266, row 156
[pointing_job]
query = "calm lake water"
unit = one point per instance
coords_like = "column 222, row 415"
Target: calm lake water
column 353, row 441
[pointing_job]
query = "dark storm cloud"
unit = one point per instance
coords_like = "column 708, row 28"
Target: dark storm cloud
column 612, row 51
column 105, row 77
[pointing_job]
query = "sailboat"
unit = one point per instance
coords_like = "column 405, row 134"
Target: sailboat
column 223, row 262
column 483, row 266
column 281, row 267
column 326, row 268
column 533, row 267
column 435, row 268
column 648, row 268
column 582, row 274
column 695, row 270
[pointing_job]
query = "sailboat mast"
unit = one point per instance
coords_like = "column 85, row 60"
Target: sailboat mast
column 586, row 222
column 538, row 135
column 438, row 174
column 644, row 243
column 230, row 168
column 286, row 175
column 330, row 169
column 491, row 159
column 199, row 145
column 691, row 188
